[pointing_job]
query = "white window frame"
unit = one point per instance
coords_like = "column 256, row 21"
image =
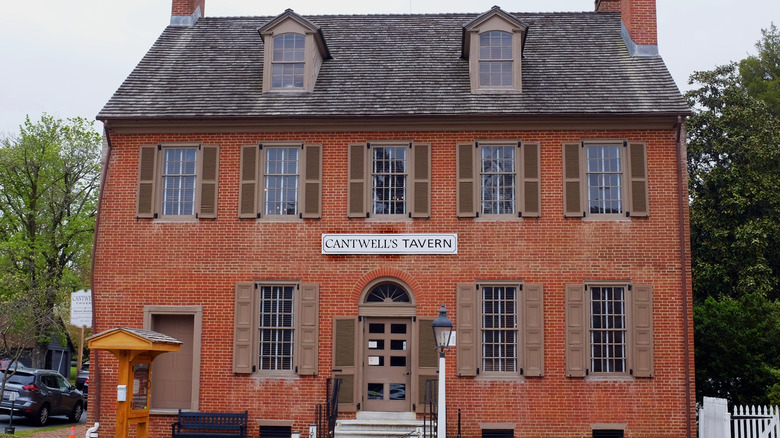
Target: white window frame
column 588, row 188
column 164, row 176
column 266, row 176
column 284, row 63
column 518, row 341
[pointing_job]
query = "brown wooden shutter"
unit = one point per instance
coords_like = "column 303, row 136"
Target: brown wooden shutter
column 637, row 158
column 208, row 178
column 428, row 365
column 311, row 205
column 356, row 189
column 642, row 330
column 531, row 183
column 468, row 330
column 421, row 181
column 576, row 331
column 308, row 315
column 247, row 196
column 345, row 361
column 244, row 328
column 572, row 180
column 467, row 180
column 147, row 178
column 533, row 330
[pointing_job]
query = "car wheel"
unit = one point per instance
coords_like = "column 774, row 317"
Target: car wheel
column 43, row 416
column 75, row 416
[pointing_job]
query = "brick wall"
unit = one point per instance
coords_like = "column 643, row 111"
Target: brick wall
column 147, row 262
column 187, row 7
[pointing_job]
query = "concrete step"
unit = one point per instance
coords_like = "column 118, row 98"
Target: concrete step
column 380, row 424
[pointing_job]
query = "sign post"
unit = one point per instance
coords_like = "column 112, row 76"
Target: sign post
column 81, row 315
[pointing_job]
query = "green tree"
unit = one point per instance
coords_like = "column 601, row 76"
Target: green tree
column 734, row 182
column 737, row 349
column 761, row 73
column 48, row 201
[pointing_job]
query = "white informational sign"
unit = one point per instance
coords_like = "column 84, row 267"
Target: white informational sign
column 81, row 308
column 389, row 243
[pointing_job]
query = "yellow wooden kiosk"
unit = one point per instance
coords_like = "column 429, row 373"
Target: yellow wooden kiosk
column 135, row 349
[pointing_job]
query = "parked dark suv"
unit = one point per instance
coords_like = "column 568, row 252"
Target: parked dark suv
column 40, row 394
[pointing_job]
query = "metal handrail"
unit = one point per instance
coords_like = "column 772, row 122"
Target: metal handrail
column 327, row 413
column 430, row 410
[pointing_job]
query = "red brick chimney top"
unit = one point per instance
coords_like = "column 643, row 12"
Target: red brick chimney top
column 639, row 20
column 187, row 7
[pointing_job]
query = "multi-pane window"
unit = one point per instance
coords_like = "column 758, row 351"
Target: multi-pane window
column 276, row 330
column 495, row 59
column 178, row 181
column 389, row 176
column 281, row 180
column 604, row 174
column 497, row 174
column 288, row 63
column 608, row 329
column 499, row 328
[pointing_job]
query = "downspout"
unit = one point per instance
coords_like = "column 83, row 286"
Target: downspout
column 682, row 183
column 103, row 177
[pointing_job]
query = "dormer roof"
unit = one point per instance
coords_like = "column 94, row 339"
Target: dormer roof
column 495, row 11
column 306, row 26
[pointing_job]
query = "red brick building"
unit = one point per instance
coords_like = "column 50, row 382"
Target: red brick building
column 294, row 197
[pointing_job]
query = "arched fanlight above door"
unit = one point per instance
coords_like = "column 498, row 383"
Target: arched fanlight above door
column 387, row 296
column 387, row 293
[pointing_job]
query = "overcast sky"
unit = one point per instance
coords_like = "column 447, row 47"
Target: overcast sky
column 67, row 57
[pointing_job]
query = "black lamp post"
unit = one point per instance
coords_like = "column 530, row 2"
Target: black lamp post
column 442, row 332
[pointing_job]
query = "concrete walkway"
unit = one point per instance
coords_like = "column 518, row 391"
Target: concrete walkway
column 64, row 432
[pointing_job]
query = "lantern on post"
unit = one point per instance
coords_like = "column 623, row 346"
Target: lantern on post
column 442, row 332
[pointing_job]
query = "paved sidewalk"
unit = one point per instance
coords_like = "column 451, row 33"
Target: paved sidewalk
column 64, row 432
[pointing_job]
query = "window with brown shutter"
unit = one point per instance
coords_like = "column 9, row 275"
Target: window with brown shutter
column 498, row 178
column 275, row 328
column 605, row 179
column 281, row 181
column 178, row 181
column 389, row 180
column 500, row 329
column 609, row 329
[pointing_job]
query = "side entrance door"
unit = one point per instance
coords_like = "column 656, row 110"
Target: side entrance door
column 387, row 365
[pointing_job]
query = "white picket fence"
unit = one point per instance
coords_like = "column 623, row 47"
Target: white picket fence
column 756, row 422
column 745, row 422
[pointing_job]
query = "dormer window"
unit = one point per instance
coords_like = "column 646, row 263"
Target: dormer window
column 495, row 59
column 294, row 52
column 288, row 63
column 493, row 45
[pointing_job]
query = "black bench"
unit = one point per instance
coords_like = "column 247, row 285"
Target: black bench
column 203, row 424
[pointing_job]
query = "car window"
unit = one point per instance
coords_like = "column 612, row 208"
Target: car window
column 21, row 379
column 61, row 383
column 49, row 381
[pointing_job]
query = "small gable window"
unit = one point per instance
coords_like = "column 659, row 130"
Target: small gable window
column 293, row 52
column 493, row 46
column 288, row 64
column 495, row 59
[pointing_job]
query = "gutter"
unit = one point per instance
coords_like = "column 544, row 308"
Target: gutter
column 682, row 184
column 104, row 175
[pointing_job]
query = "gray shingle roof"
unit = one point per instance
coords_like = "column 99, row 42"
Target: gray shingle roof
column 391, row 65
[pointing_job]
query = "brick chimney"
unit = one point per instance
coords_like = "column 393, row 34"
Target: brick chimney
column 639, row 24
column 185, row 13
